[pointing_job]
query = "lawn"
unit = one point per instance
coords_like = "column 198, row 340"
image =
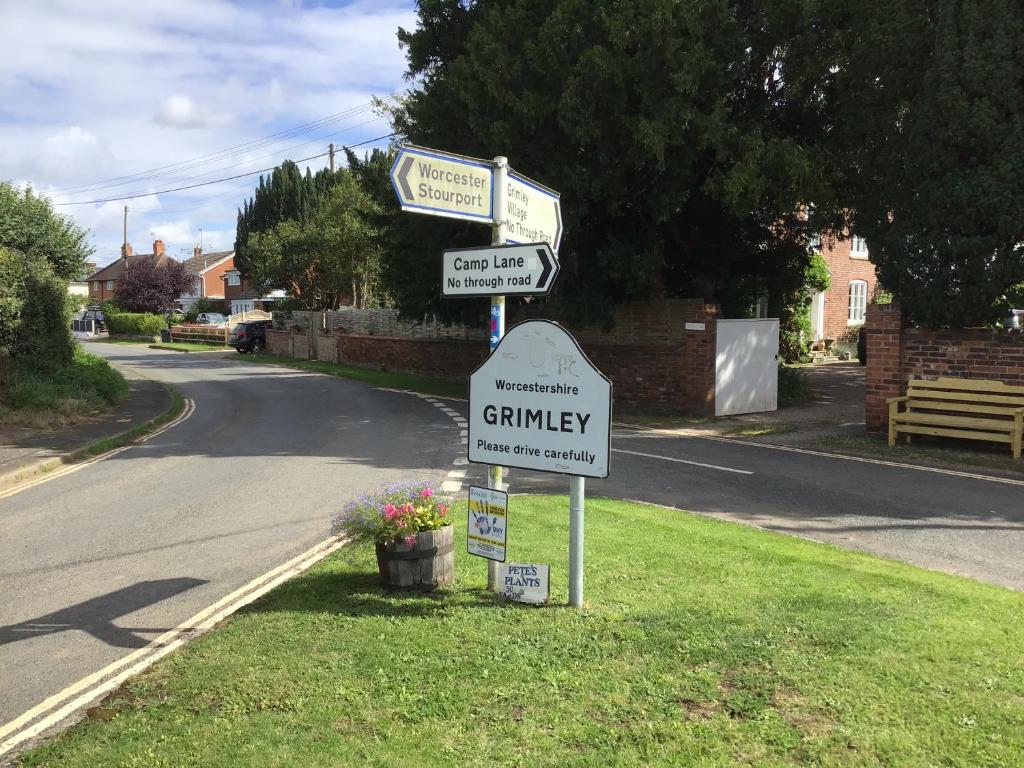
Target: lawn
column 703, row 643
column 411, row 382
column 177, row 346
column 42, row 398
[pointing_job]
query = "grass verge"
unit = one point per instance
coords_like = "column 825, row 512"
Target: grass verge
column 932, row 452
column 30, row 397
column 412, row 382
column 704, row 643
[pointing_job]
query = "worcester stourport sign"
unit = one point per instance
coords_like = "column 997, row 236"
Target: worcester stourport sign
column 444, row 184
column 538, row 403
column 512, row 270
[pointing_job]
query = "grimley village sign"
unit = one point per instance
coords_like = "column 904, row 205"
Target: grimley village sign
column 537, row 402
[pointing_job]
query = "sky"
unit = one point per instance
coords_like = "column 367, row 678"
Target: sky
column 98, row 99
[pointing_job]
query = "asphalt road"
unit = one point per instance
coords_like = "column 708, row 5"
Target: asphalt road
column 99, row 562
column 961, row 525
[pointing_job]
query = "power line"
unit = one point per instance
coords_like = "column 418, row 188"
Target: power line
column 224, row 154
column 217, row 181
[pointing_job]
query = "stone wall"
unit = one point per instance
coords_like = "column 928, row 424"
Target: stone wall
column 896, row 353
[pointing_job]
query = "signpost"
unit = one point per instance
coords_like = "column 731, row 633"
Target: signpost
column 537, row 402
column 442, row 184
column 514, row 270
column 531, row 211
column 487, row 524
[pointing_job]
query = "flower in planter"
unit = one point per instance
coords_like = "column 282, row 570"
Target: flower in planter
column 394, row 513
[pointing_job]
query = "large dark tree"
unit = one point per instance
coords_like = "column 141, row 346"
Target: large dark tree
column 679, row 134
column 150, row 286
column 929, row 142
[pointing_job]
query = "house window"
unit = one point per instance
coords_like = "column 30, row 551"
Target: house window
column 858, row 247
column 233, row 278
column 858, row 301
column 110, row 285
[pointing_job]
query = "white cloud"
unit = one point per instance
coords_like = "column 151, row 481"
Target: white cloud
column 180, row 111
column 93, row 92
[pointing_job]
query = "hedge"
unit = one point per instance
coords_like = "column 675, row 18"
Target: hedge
column 135, row 324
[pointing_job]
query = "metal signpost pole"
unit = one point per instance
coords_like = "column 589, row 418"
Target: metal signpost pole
column 498, row 237
column 576, row 495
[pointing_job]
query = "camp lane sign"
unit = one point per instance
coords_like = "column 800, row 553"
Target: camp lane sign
column 443, row 184
column 538, row 403
column 509, row 270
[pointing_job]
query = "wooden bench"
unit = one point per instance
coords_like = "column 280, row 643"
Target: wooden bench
column 972, row 409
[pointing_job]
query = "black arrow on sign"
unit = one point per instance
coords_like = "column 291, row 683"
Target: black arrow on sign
column 543, row 280
column 403, row 177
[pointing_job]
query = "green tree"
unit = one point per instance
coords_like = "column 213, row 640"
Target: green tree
column 28, row 224
column 928, row 102
column 680, row 135
column 795, row 331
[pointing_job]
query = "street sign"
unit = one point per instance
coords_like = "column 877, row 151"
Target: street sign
column 524, row 582
column 538, row 403
column 487, row 524
column 511, row 270
column 443, row 184
column 533, row 213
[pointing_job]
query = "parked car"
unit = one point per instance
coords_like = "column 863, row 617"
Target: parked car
column 173, row 316
column 213, row 319
column 96, row 315
column 250, row 336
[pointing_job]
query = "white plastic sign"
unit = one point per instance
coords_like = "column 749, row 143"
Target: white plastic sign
column 524, row 582
column 538, row 403
column 487, row 525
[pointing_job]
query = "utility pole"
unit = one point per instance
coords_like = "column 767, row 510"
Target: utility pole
column 330, row 151
column 124, row 241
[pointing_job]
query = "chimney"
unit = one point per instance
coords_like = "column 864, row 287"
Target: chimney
column 126, row 251
column 158, row 247
column 197, row 251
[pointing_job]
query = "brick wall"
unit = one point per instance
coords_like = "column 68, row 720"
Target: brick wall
column 672, row 376
column 896, row 353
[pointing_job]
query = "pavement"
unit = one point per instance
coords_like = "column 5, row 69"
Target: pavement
column 25, row 451
column 96, row 563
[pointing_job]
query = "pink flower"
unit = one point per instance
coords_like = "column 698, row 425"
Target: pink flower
column 410, row 540
column 407, row 508
column 390, row 511
column 426, row 493
column 442, row 510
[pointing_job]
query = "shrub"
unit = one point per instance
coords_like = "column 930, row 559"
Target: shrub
column 87, row 383
column 794, row 388
column 35, row 322
column 135, row 324
column 795, row 320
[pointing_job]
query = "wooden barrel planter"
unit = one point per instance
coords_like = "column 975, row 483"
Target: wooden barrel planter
column 428, row 564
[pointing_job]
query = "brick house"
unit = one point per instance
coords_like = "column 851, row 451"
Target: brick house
column 103, row 282
column 841, row 308
column 241, row 296
column 209, row 270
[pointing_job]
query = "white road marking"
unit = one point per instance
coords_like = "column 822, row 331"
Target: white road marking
column 863, row 460
column 187, row 411
column 683, row 461
column 89, row 689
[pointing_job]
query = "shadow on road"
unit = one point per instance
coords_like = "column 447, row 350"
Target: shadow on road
column 96, row 616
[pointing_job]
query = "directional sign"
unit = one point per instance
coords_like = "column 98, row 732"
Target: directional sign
column 442, row 184
column 510, row 270
column 538, row 403
column 533, row 213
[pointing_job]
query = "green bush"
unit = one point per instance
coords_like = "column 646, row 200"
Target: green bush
column 794, row 388
column 87, row 383
column 795, row 321
column 135, row 324
column 35, row 321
